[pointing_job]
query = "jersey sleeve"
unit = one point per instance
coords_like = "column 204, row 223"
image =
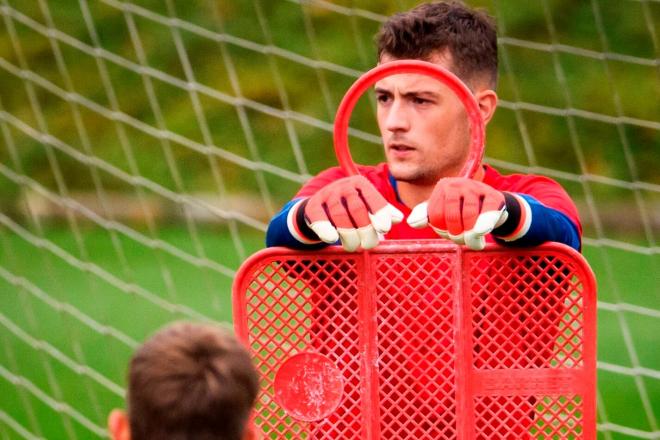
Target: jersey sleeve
column 539, row 210
column 288, row 228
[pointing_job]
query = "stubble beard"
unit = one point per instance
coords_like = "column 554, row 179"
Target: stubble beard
column 422, row 176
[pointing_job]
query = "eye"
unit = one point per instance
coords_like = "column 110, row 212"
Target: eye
column 382, row 98
column 420, row 101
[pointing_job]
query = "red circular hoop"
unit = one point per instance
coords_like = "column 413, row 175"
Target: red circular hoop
column 408, row 66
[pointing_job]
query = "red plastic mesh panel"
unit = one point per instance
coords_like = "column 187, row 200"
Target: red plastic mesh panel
column 526, row 312
column 415, row 310
column 431, row 341
column 551, row 417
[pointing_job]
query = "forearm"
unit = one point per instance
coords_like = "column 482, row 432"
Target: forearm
column 288, row 229
column 531, row 223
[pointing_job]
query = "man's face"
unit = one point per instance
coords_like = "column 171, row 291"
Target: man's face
column 423, row 125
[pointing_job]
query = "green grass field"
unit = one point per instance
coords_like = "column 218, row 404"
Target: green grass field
column 36, row 285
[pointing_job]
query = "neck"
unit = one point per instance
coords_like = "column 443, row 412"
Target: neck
column 412, row 194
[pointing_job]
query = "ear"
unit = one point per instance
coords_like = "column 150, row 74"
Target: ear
column 118, row 425
column 487, row 101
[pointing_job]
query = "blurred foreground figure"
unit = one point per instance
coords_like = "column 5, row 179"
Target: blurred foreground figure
column 188, row 381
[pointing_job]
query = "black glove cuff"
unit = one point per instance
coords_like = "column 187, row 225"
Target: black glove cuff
column 514, row 210
column 304, row 229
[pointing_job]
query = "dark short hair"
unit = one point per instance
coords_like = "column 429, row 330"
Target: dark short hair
column 191, row 381
column 470, row 36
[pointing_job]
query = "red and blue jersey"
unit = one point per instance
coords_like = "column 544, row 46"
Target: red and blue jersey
column 546, row 212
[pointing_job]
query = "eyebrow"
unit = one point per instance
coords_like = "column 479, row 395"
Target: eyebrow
column 412, row 93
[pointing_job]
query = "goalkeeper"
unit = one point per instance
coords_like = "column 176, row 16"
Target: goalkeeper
column 417, row 192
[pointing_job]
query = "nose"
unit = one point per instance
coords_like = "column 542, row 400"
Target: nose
column 397, row 118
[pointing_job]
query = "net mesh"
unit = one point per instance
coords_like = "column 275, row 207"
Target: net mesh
column 144, row 145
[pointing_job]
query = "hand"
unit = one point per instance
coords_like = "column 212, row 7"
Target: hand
column 350, row 210
column 462, row 210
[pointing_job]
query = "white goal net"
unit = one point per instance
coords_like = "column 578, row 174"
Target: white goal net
column 144, row 144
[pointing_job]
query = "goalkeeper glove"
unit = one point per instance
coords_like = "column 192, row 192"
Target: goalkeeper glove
column 350, row 210
column 462, row 210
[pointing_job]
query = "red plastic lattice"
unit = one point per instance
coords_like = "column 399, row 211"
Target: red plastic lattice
column 430, row 340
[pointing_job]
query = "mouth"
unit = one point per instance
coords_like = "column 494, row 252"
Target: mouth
column 400, row 148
